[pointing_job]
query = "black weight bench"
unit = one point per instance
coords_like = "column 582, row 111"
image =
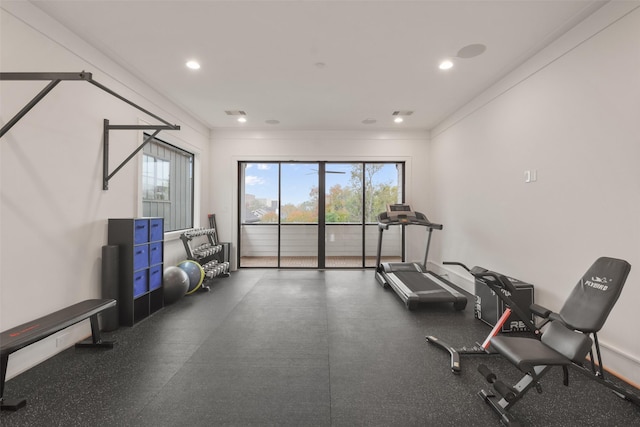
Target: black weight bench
column 567, row 338
column 26, row 334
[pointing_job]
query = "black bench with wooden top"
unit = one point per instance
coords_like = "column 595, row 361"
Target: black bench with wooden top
column 28, row 333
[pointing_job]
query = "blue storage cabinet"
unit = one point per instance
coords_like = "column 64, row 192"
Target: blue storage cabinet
column 141, row 244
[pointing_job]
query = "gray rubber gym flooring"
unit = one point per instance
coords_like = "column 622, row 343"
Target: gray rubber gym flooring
column 293, row 348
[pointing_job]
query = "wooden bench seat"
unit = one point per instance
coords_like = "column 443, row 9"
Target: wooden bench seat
column 28, row 333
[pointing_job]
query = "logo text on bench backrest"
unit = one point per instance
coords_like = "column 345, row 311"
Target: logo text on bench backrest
column 599, row 283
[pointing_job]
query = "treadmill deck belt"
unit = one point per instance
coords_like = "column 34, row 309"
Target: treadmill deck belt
column 420, row 283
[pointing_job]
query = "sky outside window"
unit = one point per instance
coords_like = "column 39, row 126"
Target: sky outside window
column 261, row 179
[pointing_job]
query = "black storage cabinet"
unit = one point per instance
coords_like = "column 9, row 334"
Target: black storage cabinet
column 141, row 247
column 489, row 308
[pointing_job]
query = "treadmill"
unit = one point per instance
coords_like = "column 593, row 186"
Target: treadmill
column 413, row 283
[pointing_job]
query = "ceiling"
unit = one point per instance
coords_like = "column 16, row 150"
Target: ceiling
column 319, row 65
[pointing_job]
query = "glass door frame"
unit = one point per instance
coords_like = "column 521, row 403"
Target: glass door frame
column 321, row 214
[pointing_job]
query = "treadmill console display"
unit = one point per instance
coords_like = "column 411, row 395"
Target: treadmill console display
column 400, row 213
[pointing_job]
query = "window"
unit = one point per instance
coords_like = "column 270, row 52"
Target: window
column 351, row 188
column 167, row 184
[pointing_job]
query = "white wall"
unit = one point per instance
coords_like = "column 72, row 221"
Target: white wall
column 230, row 147
column 53, row 212
column 571, row 113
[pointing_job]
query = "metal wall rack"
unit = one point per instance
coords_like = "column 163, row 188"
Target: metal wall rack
column 56, row 78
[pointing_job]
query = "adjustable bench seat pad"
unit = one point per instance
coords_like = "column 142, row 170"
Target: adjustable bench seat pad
column 558, row 346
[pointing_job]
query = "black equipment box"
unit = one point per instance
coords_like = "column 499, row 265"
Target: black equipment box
column 489, row 307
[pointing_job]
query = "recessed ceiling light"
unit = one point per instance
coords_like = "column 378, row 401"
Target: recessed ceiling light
column 445, row 65
column 398, row 119
column 242, row 119
column 194, row 65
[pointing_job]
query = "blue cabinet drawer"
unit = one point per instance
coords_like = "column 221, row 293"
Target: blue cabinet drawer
column 155, row 253
column 155, row 277
column 141, row 231
column 156, row 229
column 140, row 257
column 140, row 283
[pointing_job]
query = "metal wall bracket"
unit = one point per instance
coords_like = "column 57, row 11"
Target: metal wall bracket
column 56, row 78
column 106, row 176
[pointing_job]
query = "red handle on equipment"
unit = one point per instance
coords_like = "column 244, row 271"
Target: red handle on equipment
column 497, row 328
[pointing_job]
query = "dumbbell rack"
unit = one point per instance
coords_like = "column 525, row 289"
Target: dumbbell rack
column 207, row 253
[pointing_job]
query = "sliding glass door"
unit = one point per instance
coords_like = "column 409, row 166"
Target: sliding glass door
column 344, row 238
column 383, row 185
column 299, row 215
column 259, row 200
column 285, row 223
